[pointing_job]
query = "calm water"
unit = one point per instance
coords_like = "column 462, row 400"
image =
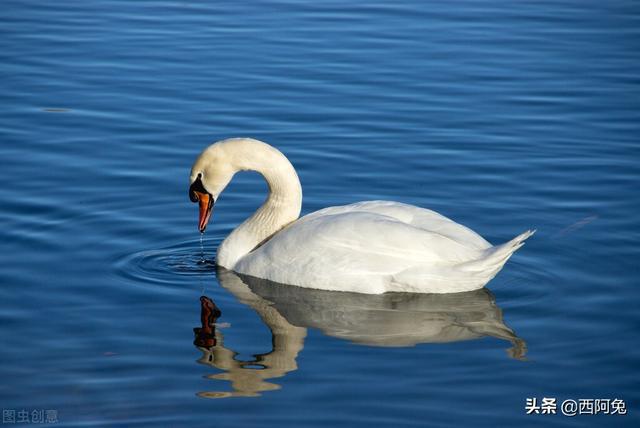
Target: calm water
column 500, row 116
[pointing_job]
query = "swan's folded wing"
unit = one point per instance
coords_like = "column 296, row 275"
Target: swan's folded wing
column 421, row 218
column 344, row 245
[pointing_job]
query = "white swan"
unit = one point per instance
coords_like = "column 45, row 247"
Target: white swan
column 368, row 247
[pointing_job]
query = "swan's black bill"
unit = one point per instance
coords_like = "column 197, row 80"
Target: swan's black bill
column 197, row 193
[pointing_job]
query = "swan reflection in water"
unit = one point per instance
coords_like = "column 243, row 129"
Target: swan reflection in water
column 390, row 320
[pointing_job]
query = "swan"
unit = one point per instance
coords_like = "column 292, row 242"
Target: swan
column 370, row 247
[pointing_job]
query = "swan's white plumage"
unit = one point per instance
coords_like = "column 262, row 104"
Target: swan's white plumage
column 367, row 247
column 375, row 247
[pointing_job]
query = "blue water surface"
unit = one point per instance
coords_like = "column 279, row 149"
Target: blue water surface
column 503, row 116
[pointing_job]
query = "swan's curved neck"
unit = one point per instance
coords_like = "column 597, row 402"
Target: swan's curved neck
column 281, row 207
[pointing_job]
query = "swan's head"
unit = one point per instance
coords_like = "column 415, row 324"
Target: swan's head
column 210, row 174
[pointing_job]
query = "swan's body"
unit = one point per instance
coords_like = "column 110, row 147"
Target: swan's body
column 369, row 247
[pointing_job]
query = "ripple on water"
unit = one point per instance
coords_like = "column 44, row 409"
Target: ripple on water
column 167, row 266
column 523, row 284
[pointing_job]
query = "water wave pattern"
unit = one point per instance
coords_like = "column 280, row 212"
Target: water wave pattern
column 163, row 265
column 501, row 116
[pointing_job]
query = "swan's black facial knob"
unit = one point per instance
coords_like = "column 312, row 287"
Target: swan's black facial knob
column 196, row 186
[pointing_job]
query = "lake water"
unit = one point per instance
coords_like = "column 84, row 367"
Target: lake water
column 501, row 116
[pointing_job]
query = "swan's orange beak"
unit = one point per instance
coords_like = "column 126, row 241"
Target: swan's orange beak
column 197, row 193
column 206, row 207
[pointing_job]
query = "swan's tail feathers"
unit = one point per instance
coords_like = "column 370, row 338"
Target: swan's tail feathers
column 495, row 257
column 466, row 276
